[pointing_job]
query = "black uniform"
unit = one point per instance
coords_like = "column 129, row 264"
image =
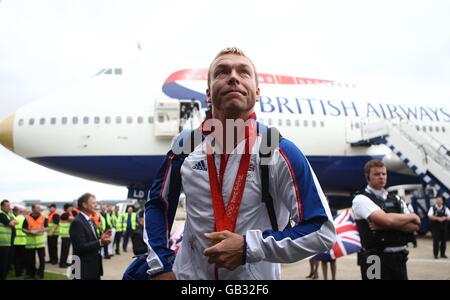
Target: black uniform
column 375, row 242
column 439, row 231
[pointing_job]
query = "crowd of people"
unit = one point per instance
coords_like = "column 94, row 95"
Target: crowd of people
column 27, row 233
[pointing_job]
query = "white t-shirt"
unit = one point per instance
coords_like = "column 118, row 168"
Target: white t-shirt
column 363, row 207
column 431, row 211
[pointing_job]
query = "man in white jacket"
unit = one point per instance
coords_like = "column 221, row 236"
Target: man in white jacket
column 228, row 232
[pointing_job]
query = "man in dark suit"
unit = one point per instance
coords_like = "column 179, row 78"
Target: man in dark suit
column 85, row 241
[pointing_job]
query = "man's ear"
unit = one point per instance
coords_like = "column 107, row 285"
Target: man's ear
column 208, row 96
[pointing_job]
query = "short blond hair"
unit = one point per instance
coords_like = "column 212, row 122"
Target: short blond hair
column 231, row 50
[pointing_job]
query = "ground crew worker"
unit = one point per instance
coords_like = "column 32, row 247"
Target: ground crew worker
column 52, row 234
column 95, row 216
column 35, row 225
column 439, row 215
column 383, row 223
column 117, row 221
column 7, row 228
column 106, row 225
column 130, row 225
column 64, row 226
column 19, row 242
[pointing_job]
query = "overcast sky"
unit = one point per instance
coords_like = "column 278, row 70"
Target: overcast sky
column 402, row 47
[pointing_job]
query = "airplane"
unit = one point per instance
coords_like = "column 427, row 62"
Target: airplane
column 117, row 126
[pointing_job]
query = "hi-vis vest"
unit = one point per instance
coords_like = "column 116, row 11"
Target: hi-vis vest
column 96, row 218
column 117, row 222
column 21, row 237
column 133, row 221
column 6, row 231
column 53, row 229
column 35, row 241
column 64, row 226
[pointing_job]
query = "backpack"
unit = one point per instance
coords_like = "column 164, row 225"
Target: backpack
column 187, row 138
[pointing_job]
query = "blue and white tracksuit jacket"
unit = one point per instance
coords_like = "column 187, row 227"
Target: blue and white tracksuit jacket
column 295, row 191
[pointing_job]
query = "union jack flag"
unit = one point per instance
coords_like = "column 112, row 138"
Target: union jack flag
column 347, row 241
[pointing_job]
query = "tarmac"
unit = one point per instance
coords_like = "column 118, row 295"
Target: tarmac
column 421, row 265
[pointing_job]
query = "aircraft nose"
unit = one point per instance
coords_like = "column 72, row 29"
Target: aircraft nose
column 6, row 132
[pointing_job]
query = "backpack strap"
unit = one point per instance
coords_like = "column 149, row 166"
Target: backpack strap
column 264, row 167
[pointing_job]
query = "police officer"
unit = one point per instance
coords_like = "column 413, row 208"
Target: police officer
column 64, row 226
column 7, row 228
column 439, row 215
column 384, row 224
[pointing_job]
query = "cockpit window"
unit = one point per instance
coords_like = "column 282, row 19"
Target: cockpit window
column 42, row 121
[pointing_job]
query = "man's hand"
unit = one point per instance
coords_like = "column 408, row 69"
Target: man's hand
column 165, row 276
column 13, row 223
column 227, row 250
column 105, row 239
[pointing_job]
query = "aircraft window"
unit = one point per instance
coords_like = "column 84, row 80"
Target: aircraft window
column 288, row 122
column 150, row 120
column 118, row 119
column 20, row 122
column 270, row 121
column 424, row 128
column 430, row 128
column 357, row 125
column 437, row 129
column 75, row 120
column 118, row 71
column 418, row 127
column 129, row 120
column 109, row 71
column 85, row 120
column 107, row 120
column 96, row 120
column 280, row 122
column 64, row 120
column 297, row 123
column 31, row 122
column 443, row 129
column 322, row 124
column 42, row 121
column 140, row 120
column 53, row 121
column 305, row 123
column 160, row 119
column 313, row 123
column 100, row 72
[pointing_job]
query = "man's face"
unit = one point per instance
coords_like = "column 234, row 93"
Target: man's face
column 130, row 209
column 6, row 207
column 377, row 178
column 37, row 209
column 233, row 89
column 52, row 209
column 439, row 201
column 90, row 205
